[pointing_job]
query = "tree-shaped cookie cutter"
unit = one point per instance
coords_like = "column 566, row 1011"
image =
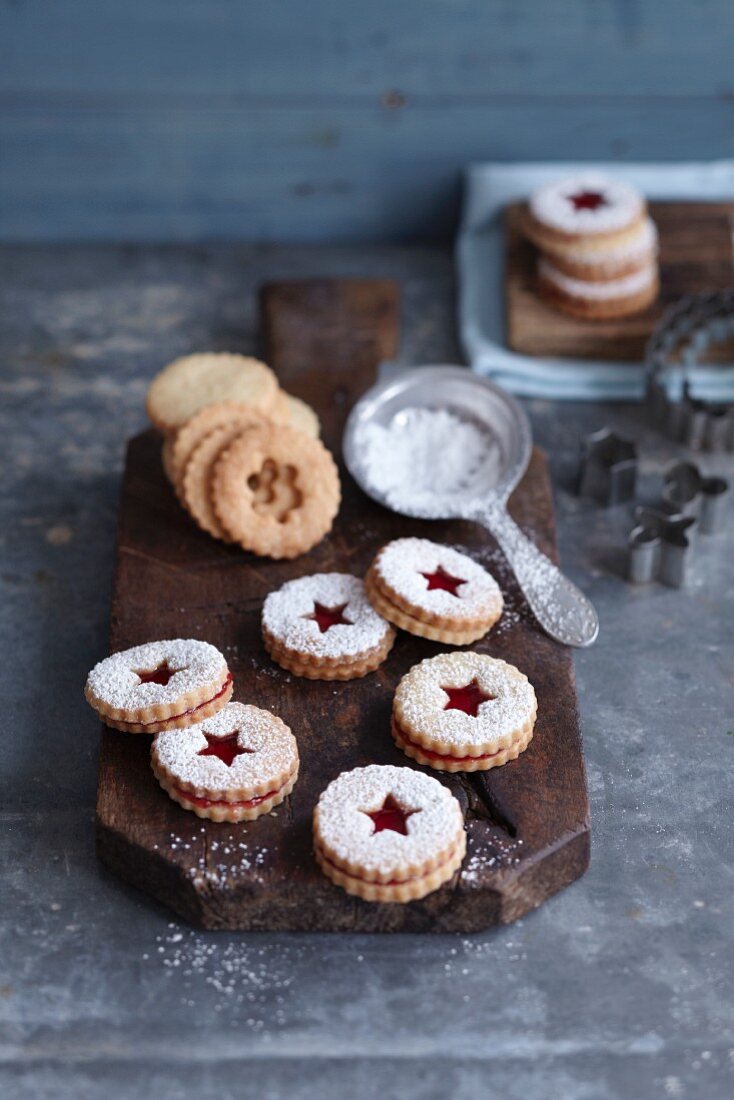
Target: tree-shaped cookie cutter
column 608, row 468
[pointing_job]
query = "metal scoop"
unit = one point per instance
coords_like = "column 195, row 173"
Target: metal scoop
column 559, row 606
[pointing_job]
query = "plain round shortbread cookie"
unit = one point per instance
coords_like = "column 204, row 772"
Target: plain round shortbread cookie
column 189, row 384
column 276, row 491
column 159, row 682
column 197, row 475
column 234, row 767
column 302, row 417
column 202, row 424
column 464, row 707
column 386, row 833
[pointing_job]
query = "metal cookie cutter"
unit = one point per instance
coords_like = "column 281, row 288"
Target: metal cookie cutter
column 687, row 492
column 659, row 547
column 608, row 468
column 673, row 355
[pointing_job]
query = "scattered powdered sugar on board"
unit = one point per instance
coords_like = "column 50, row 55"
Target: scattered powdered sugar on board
column 424, row 458
column 498, row 855
column 223, row 860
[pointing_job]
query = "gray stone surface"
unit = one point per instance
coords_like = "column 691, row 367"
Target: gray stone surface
column 619, row 987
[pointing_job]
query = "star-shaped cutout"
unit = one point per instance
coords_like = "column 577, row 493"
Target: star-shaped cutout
column 160, row 675
column 391, row 815
column 225, row 748
column 326, row 617
column 587, row 200
column 443, row 580
column 469, row 698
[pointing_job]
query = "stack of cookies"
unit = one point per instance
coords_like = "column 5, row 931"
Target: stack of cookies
column 598, row 247
column 244, row 457
column 222, row 760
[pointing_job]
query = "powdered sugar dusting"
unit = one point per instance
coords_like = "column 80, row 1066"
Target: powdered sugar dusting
column 403, row 563
column 552, row 204
column 420, row 700
column 114, row 681
column 424, row 458
column 639, row 245
column 611, row 288
column 271, row 751
column 286, row 616
column 345, row 829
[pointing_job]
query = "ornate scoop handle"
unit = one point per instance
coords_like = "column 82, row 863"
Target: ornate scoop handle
column 560, row 607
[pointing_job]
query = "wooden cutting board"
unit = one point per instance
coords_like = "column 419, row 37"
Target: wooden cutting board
column 527, row 822
column 696, row 253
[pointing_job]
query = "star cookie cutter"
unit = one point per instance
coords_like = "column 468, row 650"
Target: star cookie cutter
column 608, row 468
column 673, row 356
column 660, row 547
column 687, row 492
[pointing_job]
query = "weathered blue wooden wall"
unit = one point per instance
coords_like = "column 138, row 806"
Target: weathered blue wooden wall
column 309, row 119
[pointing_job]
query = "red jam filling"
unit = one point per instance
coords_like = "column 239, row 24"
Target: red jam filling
column 326, row 617
column 391, row 815
column 443, row 580
column 390, row 882
column 192, row 710
column 432, row 755
column 469, row 698
column 204, row 802
column 226, row 748
column 587, row 200
column 160, row 675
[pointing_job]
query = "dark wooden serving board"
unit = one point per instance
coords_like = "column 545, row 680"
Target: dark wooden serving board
column 528, row 822
column 696, row 253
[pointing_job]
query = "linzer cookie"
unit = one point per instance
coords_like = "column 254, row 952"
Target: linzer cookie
column 160, row 686
column 276, row 491
column 585, row 213
column 233, row 767
column 635, row 253
column 433, row 591
column 463, row 712
column 388, row 834
column 323, row 627
column 189, row 384
column 597, row 300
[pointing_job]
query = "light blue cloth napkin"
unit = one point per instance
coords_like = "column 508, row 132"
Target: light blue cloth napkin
column 480, row 259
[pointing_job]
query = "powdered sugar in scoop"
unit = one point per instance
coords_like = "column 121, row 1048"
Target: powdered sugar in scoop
column 425, row 458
